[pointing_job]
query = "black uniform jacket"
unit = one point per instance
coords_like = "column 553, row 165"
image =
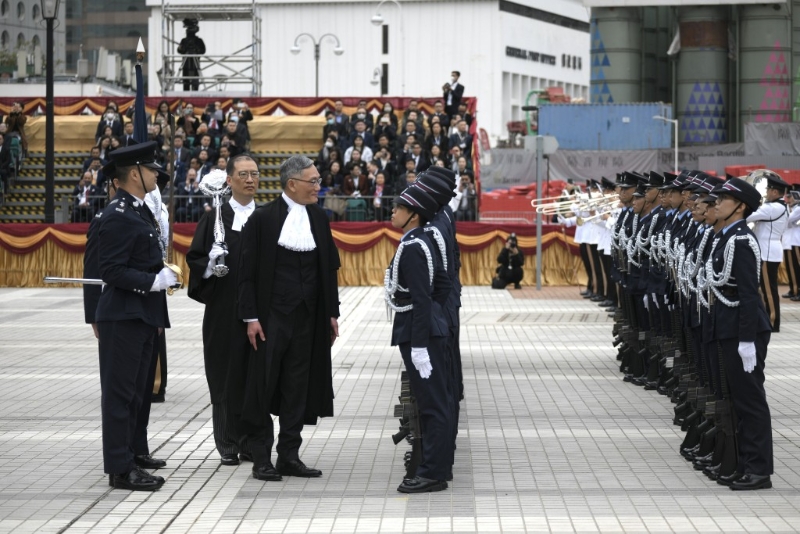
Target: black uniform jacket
column 256, row 274
column 91, row 269
column 129, row 258
column 750, row 317
column 225, row 344
column 426, row 319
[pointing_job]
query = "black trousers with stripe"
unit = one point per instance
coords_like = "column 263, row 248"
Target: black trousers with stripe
column 769, row 292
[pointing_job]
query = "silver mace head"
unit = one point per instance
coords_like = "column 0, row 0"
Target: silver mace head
column 220, row 270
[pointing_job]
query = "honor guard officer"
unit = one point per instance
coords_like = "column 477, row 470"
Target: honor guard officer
column 770, row 222
column 742, row 331
column 131, row 311
column 791, row 244
column 421, row 332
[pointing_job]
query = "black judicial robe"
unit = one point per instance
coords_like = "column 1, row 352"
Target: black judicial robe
column 259, row 243
column 225, row 344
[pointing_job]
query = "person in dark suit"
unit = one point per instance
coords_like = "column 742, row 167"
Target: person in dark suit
column 462, row 139
column 131, row 311
column 417, row 286
column 741, row 330
column 421, row 159
column 361, row 114
column 182, row 154
column 188, row 121
column 438, row 113
column 360, row 130
column 356, row 182
column 126, row 139
column 84, row 196
column 110, row 120
column 289, row 298
column 5, row 162
column 225, row 347
column 453, row 91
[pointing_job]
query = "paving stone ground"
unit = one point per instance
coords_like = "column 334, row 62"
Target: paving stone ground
column 550, row 439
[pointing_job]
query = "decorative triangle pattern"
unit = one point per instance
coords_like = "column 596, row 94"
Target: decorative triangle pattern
column 776, row 88
column 703, row 119
column 600, row 92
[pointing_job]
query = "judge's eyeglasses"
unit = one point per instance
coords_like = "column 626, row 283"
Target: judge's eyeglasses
column 313, row 183
column 253, row 174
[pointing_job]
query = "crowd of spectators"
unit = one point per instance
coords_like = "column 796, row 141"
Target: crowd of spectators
column 367, row 158
column 202, row 143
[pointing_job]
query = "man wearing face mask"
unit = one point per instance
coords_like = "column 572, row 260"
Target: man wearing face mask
column 189, row 122
column 453, row 92
column 361, row 114
column 110, row 119
column 324, row 152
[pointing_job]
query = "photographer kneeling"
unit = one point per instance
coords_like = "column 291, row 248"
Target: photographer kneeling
column 511, row 261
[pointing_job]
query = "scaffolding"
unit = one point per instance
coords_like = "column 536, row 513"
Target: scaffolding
column 241, row 68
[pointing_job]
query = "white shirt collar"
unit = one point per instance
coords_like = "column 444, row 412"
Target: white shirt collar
column 289, row 202
column 238, row 207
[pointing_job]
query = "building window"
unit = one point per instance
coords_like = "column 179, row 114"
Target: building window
column 5, row 40
column 385, row 39
column 21, row 41
column 4, row 8
column 580, row 66
column 36, row 12
column 36, row 41
column 21, row 11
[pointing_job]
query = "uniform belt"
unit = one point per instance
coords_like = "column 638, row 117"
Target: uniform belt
column 730, row 292
column 402, row 302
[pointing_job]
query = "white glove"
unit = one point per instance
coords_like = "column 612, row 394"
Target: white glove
column 421, row 360
column 164, row 280
column 646, row 300
column 747, row 351
column 666, row 299
column 561, row 219
column 216, row 251
column 655, row 301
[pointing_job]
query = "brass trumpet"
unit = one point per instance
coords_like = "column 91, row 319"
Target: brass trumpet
column 580, row 205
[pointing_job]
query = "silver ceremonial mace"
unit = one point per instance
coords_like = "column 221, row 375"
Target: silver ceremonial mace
column 215, row 185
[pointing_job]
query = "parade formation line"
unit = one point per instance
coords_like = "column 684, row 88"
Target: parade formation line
column 550, row 440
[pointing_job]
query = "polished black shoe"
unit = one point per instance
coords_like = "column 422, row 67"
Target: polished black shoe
column 650, row 386
column 148, row 462
column 229, row 459
column 795, row 298
column 585, row 293
column 788, row 295
column 607, row 304
column 712, row 471
column 157, row 398
column 727, row 480
column 266, row 472
column 627, row 378
column 517, row 286
column 245, row 457
column 751, row 482
column 588, row 295
column 421, row 485
column 296, row 468
column 690, row 452
column 136, row 480
column 598, row 298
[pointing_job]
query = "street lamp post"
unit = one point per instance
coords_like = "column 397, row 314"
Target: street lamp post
column 295, row 49
column 674, row 123
column 377, row 20
column 49, row 13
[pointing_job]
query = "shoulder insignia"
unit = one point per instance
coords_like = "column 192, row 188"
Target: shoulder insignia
column 98, row 215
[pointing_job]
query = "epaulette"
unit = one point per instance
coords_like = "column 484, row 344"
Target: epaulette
column 122, row 206
column 98, row 215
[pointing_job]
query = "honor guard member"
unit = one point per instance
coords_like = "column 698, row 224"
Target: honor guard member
column 131, row 310
column 742, row 332
column 770, row 222
column 606, row 223
column 288, row 294
column 593, row 234
column 225, row 345
column 421, row 331
column 791, row 244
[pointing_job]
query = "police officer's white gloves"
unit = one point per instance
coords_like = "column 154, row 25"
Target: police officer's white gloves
column 561, row 219
column 646, row 301
column 164, row 279
column 216, row 251
column 654, row 299
column 421, row 360
column 747, row 351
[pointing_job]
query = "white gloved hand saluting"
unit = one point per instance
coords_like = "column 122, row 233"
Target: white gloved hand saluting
column 747, row 351
column 646, row 301
column 421, row 360
column 217, row 251
column 164, row 279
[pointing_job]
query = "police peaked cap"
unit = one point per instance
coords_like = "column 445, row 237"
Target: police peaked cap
column 641, row 189
column 656, row 180
column 774, row 180
column 142, row 154
column 445, row 174
column 740, row 190
column 607, row 184
column 628, row 179
column 435, row 187
column 418, row 201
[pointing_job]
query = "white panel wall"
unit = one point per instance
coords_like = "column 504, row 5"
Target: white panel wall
column 439, row 36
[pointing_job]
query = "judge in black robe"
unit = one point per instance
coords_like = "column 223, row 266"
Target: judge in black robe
column 225, row 346
column 291, row 299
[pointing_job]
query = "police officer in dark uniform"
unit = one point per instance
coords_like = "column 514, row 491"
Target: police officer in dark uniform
column 420, row 330
column 742, row 330
column 131, row 311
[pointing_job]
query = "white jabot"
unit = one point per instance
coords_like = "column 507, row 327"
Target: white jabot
column 296, row 232
column 241, row 214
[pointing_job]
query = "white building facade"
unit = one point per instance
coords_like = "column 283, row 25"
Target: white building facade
column 502, row 49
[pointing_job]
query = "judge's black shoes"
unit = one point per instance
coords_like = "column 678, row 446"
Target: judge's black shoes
column 229, row 459
column 727, row 480
column 266, row 472
column 148, row 462
column 421, row 485
column 296, row 468
column 245, row 457
column 751, row 482
column 136, row 480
